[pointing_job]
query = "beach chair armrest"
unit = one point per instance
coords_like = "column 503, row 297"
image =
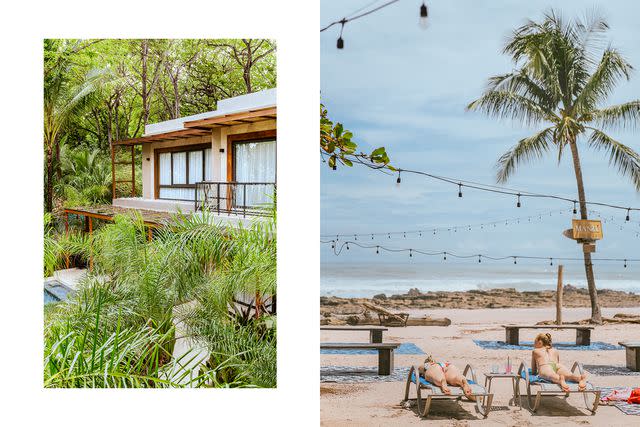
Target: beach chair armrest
column 579, row 366
column 411, row 371
column 523, row 368
column 473, row 373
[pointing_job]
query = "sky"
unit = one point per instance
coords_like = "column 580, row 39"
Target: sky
column 405, row 88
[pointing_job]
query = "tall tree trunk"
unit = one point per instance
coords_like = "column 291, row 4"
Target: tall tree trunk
column 48, row 191
column 246, row 75
column 144, row 54
column 596, row 316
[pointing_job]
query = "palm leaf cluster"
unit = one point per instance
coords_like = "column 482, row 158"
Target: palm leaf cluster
column 564, row 75
column 119, row 329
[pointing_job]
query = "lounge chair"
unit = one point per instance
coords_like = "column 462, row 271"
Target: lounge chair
column 435, row 393
column 547, row 388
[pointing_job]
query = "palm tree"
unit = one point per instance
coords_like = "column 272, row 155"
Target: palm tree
column 65, row 94
column 562, row 78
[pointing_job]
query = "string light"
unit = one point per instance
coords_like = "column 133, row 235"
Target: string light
column 445, row 254
column 419, row 233
column 434, row 230
column 343, row 21
column 424, row 14
column 506, row 191
column 518, row 204
column 398, row 181
column 575, row 211
column 627, row 218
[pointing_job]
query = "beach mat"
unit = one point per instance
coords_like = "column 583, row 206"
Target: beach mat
column 405, row 348
column 360, row 374
column 528, row 345
column 626, row 408
column 607, row 370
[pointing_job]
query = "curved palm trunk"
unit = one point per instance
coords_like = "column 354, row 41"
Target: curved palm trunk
column 596, row 316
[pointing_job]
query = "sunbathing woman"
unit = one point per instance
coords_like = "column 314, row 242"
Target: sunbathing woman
column 443, row 374
column 545, row 361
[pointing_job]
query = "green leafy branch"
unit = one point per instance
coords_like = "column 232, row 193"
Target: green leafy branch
column 336, row 147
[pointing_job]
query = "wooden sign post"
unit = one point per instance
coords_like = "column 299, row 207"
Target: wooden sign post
column 559, row 297
column 585, row 232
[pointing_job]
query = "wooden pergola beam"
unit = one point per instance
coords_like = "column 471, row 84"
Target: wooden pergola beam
column 272, row 111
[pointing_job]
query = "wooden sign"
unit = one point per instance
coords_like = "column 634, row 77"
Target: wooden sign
column 586, row 229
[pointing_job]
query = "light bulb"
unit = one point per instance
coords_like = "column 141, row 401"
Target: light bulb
column 423, row 22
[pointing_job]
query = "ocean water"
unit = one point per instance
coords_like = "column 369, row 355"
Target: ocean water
column 368, row 279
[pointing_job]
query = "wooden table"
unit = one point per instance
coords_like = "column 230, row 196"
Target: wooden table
column 633, row 354
column 385, row 352
column 375, row 332
column 583, row 333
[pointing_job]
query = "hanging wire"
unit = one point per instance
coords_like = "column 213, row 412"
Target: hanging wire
column 353, row 18
column 433, row 230
column 338, row 250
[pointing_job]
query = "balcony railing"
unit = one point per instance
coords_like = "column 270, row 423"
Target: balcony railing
column 237, row 198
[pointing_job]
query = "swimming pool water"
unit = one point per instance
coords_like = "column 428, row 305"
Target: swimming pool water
column 55, row 291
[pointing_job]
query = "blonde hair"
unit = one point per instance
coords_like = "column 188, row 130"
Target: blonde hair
column 544, row 338
column 429, row 359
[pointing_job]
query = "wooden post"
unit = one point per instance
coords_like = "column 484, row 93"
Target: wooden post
column 133, row 170
column 113, row 173
column 66, row 232
column 91, row 243
column 559, row 297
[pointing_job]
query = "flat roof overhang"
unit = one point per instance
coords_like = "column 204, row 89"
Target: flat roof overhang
column 204, row 126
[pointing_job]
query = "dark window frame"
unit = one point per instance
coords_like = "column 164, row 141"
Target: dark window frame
column 173, row 150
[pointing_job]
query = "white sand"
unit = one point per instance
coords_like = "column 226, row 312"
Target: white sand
column 379, row 403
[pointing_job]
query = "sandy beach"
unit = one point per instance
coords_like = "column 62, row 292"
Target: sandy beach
column 379, row 403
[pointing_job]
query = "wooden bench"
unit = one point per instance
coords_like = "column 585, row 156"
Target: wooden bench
column 375, row 332
column 633, row 354
column 583, row 333
column 385, row 352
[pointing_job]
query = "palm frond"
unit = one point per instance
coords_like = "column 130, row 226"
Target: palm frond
column 506, row 104
column 602, row 82
column 621, row 156
column 525, row 150
column 621, row 116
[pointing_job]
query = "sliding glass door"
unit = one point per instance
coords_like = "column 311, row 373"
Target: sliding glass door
column 254, row 162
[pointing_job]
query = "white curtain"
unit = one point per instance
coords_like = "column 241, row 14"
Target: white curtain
column 179, row 168
column 165, row 168
column 178, row 193
column 208, row 165
column 195, row 167
column 255, row 162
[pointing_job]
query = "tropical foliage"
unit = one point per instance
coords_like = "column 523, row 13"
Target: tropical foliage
column 121, row 327
column 337, row 147
column 100, row 91
column 564, row 73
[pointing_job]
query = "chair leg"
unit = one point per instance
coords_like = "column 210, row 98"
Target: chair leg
column 596, row 402
column 537, row 402
column 406, row 389
column 484, row 408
